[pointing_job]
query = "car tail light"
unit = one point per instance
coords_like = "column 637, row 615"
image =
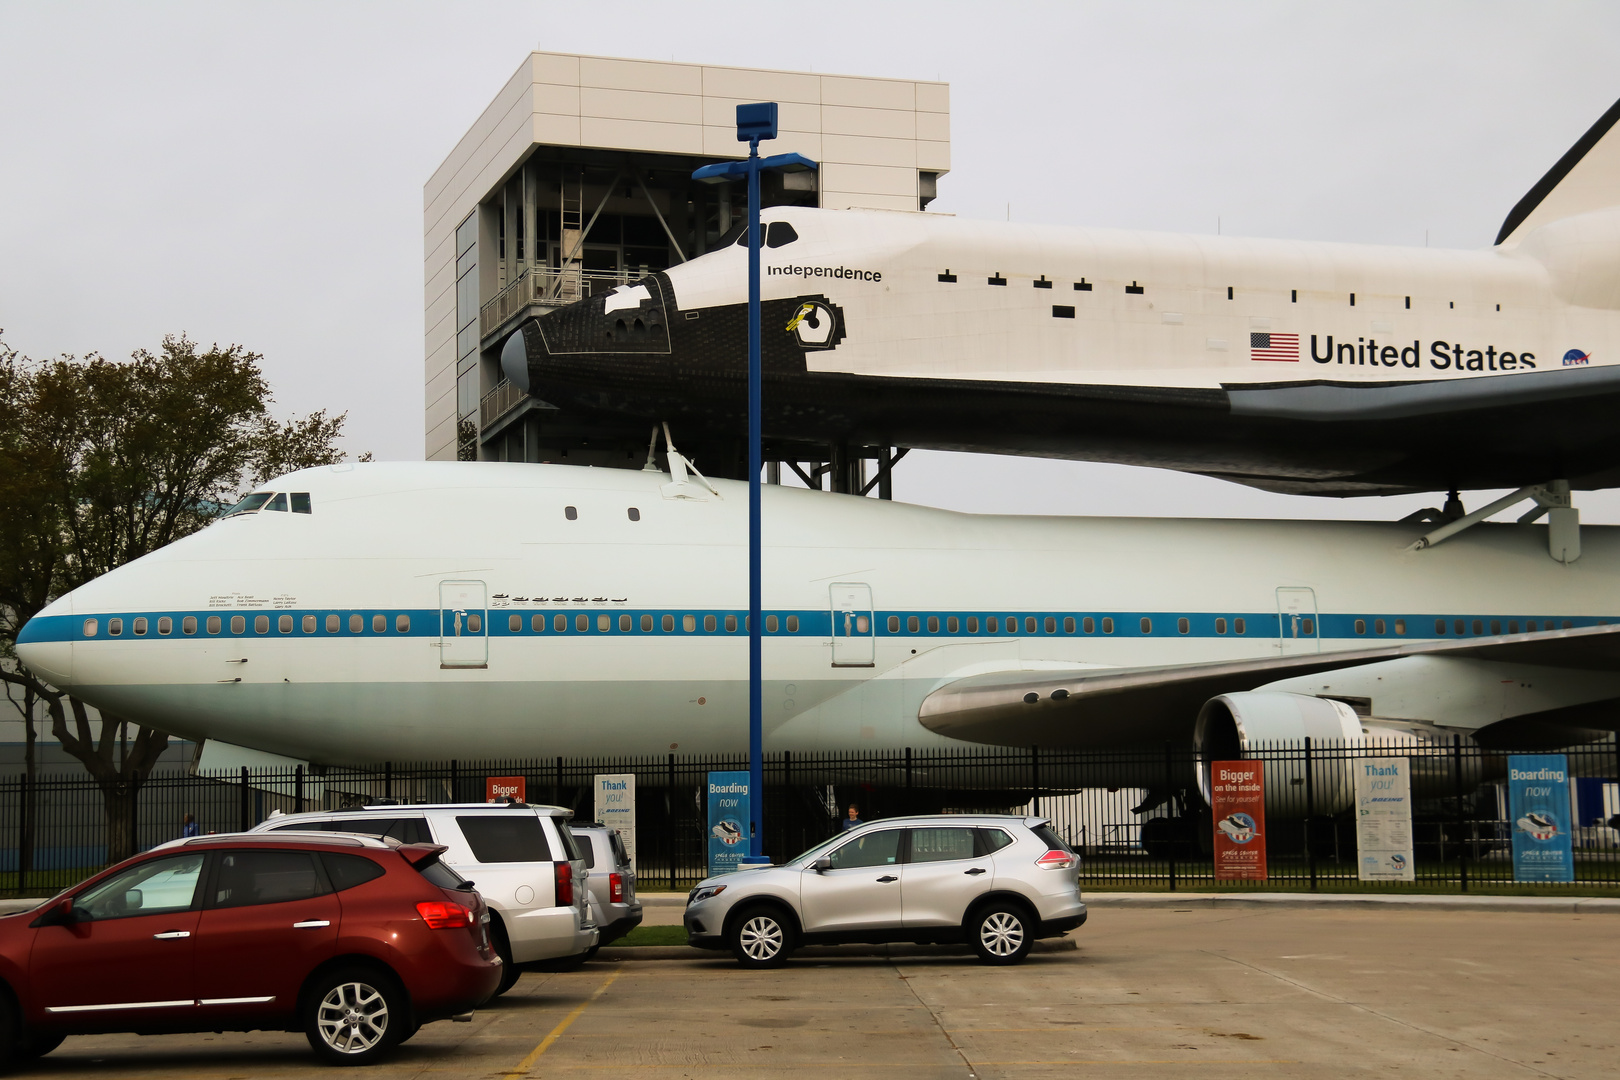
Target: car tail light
column 444, row 914
column 565, row 885
column 1056, row 860
column 615, row 889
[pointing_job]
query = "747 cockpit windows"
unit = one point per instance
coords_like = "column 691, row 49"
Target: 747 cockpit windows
column 296, row 502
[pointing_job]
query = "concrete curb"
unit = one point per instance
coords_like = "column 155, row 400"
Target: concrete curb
column 813, row 952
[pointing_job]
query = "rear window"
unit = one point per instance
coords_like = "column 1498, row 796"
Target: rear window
column 514, row 837
column 1051, row 839
column 621, row 856
column 587, row 849
column 444, row 877
column 347, row 871
column 570, row 844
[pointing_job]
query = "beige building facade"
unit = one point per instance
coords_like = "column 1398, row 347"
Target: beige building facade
column 577, row 178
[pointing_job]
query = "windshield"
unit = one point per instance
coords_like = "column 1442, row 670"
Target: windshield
column 250, row 504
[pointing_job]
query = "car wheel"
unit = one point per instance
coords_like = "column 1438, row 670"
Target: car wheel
column 760, row 937
column 355, row 1016
column 1002, row 933
column 503, row 949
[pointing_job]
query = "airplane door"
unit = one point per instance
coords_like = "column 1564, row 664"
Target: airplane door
column 1296, row 610
column 852, row 643
column 463, row 634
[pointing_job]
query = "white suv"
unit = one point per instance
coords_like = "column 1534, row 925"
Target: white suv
column 994, row 881
column 523, row 859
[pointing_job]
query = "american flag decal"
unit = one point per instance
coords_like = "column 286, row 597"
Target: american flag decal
column 1274, row 347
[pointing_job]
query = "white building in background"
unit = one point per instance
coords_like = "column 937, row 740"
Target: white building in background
column 577, row 177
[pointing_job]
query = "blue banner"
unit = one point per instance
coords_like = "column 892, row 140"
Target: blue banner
column 728, row 820
column 1538, row 804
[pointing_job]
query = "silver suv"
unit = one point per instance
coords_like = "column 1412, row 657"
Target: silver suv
column 614, row 906
column 523, row 860
column 995, row 881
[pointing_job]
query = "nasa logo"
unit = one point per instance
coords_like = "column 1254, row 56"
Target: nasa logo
column 1575, row 356
column 815, row 325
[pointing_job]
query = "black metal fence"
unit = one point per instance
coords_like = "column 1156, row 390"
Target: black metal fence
column 1139, row 817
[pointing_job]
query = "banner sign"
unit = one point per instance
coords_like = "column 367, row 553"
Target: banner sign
column 616, row 807
column 497, row 788
column 1238, row 791
column 1384, row 819
column 728, row 820
column 1538, row 804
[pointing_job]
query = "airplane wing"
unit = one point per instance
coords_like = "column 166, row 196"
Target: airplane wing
column 1099, row 707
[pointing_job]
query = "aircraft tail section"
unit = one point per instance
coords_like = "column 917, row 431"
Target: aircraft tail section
column 1586, row 178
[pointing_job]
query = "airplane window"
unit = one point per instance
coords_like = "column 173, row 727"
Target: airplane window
column 1237, row 626
column 537, row 623
column 570, row 513
column 912, row 625
column 238, row 624
column 1108, row 626
column 1479, row 626
column 1458, row 626
column 793, row 624
column 770, row 624
column 668, row 623
column 863, row 624
column 1051, row 625
column 284, row 624
column 559, row 623
column 779, row 234
column 90, row 627
column 379, row 624
column 1439, row 626
column 1012, row 624
column 951, row 625
column 708, row 624
column 1029, row 624
column 1568, row 625
column 188, row 625
column 261, row 624
column 300, row 502
column 213, row 624
column 1513, row 626
column 933, row 624
column 1307, row 626
column 357, row 623
column 1400, row 626
column 731, row 624
column 582, row 623
column 635, row 514
column 1068, row 624
column 249, row 504
column 402, row 623
column 992, row 625
column 688, row 623
column 604, row 623
column 1496, row 626
column 973, row 624
column 1089, row 625
column 1147, row 626
column 1361, row 626
column 278, row 503
column 165, row 625
column 624, row 623
column 1378, row 626
column 115, row 627
column 1182, row 626
column 894, row 624
column 140, row 627
column 514, row 623
column 1220, row 626
column 309, row 624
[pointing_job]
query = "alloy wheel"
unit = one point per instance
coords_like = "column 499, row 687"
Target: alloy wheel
column 761, row 938
column 353, row 1017
column 1002, row 933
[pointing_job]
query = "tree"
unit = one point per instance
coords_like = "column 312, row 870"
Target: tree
column 102, row 462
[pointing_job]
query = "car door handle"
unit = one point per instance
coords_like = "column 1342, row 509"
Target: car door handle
column 312, row 924
column 170, row 935
column 888, row 878
column 976, row 870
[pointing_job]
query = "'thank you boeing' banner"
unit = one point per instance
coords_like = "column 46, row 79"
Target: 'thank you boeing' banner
column 1538, row 803
column 1238, row 792
column 728, row 820
column 1384, row 819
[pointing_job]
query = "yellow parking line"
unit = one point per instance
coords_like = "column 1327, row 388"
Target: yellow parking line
column 556, row 1032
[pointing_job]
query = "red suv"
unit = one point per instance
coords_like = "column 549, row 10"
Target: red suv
column 353, row 940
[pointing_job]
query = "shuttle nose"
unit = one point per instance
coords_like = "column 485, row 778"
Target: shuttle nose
column 45, row 645
column 631, row 319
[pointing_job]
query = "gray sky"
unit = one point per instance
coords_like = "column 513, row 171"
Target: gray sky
column 253, row 173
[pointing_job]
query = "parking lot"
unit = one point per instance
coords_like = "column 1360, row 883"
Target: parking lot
column 1159, row 992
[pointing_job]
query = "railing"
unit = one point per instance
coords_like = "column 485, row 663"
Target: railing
column 498, row 402
column 546, row 287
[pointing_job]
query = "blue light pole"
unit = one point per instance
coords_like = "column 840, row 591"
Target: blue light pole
column 754, row 123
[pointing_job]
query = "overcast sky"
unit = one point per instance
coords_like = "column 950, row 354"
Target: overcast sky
column 253, row 173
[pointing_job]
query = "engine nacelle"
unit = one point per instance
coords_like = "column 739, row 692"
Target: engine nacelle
column 1236, row 726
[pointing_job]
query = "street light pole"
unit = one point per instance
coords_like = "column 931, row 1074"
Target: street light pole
column 754, row 123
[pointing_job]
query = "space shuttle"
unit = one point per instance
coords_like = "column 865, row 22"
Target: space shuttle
column 1313, row 368
column 432, row 611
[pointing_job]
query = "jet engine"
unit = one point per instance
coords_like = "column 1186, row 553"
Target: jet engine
column 1235, row 726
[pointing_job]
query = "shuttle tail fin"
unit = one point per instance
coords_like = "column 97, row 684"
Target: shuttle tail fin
column 1586, row 178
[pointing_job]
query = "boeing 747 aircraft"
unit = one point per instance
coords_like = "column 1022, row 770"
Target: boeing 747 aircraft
column 1320, row 368
column 443, row 610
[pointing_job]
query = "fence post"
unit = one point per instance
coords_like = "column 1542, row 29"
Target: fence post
column 1310, row 811
column 669, row 819
column 556, row 787
column 388, row 779
column 1035, row 779
column 246, row 801
column 298, row 790
column 22, row 831
column 454, row 777
column 1462, row 847
column 1169, row 782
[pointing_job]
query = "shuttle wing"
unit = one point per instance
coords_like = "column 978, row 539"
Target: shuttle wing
column 1132, row 706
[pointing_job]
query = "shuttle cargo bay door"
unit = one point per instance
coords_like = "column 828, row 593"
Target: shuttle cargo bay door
column 463, row 633
column 1296, row 613
column 852, row 643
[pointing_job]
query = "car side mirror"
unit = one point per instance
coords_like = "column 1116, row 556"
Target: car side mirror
column 59, row 914
column 821, row 865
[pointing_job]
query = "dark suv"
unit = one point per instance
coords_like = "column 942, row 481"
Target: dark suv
column 355, row 941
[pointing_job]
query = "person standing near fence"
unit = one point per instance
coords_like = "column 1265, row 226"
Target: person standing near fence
column 854, row 818
column 188, row 824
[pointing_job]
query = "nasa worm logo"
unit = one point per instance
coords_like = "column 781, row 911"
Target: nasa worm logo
column 1575, row 356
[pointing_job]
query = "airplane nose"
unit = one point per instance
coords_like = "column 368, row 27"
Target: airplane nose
column 44, row 645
